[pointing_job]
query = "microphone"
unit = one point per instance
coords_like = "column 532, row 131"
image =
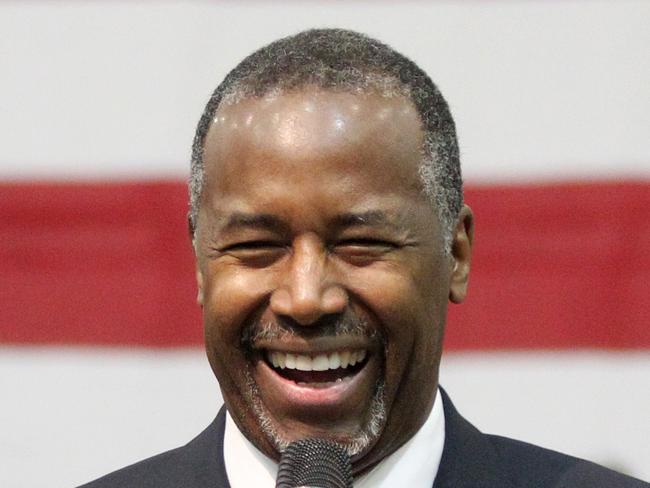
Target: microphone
column 314, row 463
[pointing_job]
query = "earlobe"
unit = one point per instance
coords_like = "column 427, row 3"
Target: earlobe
column 461, row 253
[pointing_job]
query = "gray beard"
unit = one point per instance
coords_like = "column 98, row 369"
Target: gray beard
column 348, row 325
column 359, row 441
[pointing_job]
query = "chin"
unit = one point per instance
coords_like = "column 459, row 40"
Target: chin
column 280, row 435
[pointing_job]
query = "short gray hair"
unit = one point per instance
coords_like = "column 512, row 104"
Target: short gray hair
column 340, row 59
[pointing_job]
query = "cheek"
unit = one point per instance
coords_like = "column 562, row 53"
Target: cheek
column 400, row 294
column 411, row 310
column 231, row 298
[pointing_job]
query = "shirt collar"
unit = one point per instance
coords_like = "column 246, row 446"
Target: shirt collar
column 415, row 464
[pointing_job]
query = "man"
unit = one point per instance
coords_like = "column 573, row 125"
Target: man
column 329, row 231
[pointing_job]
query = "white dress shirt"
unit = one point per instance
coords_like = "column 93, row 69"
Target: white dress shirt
column 415, row 464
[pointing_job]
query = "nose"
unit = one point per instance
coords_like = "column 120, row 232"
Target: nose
column 305, row 292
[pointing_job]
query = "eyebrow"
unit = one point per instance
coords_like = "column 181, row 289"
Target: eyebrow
column 272, row 223
column 372, row 218
column 256, row 221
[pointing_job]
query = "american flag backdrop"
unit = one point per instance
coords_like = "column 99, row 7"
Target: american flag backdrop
column 101, row 360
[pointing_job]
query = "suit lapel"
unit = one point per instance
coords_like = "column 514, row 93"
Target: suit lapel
column 468, row 457
column 204, row 454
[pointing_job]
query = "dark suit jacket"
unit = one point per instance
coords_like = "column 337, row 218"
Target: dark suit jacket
column 469, row 459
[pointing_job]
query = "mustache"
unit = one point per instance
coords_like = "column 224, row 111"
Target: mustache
column 348, row 325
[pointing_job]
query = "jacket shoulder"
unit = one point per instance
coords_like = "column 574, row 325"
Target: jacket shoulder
column 472, row 459
column 164, row 470
column 198, row 464
column 528, row 465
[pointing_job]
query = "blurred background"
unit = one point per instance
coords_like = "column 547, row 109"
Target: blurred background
column 101, row 360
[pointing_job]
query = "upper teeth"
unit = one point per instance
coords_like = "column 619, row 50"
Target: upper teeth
column 321, row 362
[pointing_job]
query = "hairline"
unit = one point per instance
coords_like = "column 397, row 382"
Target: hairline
column 371, row 65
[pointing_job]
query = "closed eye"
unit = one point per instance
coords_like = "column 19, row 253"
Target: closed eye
column 254, row 254
column 364, row 250
column 251, row 245
column 366, row 242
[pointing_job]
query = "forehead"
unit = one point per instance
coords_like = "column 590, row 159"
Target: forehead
column 293, row 114
column 313, row 139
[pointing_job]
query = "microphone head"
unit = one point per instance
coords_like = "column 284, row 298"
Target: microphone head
column 314, row 463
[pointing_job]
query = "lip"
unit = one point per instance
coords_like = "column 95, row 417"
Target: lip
column 318, row 345
column 329, row 400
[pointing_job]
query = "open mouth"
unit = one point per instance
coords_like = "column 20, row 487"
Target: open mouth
column 319, row 370
column 319, row 381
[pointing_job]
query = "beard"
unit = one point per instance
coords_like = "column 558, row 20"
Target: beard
column 348, row 325
column 357, row 443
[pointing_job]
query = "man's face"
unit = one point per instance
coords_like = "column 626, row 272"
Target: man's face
column 321, row 272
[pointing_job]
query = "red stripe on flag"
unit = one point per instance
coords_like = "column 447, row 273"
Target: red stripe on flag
column 560, row 266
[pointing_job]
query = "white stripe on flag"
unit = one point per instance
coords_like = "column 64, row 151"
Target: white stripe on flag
column 70, row 415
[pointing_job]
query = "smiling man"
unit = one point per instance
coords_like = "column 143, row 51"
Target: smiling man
column 330, row 234
column 322, row 268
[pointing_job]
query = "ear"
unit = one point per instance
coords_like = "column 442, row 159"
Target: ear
column 199, row 276
column 461, row 253
column 199, row 285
